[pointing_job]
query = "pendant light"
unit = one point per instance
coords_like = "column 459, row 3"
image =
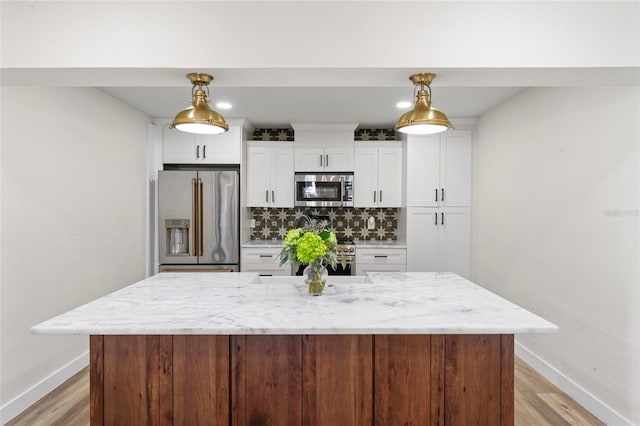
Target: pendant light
column 423, row 119
column 199, row 118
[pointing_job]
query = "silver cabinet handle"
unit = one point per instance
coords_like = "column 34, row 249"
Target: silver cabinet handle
column 436, row 195
column 273, row 196
column 381, row 195
column 326, row 163
column 435, row 215
column 441, row 194
column 204, row 151
column 320, row 160
column 441, row 218
column 197, row 152
column 266, row 193
column 374, row 196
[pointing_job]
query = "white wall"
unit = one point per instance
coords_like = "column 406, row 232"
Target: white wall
column 555, row 230
column 74, row 225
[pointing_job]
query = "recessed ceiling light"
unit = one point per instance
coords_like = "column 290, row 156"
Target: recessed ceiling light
column 224, row 105
column 404, row 104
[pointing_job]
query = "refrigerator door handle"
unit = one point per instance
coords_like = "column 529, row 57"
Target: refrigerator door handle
column 200, row 218
column 193, row 216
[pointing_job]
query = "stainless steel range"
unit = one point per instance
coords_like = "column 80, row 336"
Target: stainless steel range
column 346, row 251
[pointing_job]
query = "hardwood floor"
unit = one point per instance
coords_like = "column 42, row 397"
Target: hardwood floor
column 67, row 405
column 537, row 403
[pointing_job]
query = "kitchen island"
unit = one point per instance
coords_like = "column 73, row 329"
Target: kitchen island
column 235, row 348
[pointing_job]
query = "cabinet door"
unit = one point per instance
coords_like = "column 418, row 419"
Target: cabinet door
column 309, row 159
column 455, row 241
column 338, row 159
column 389, row 176
column 455, row 167
column 423, row 170
column 282, row 187
column 422, row 239
column 365, row 179
column 178, row 147
column 222, row 149
column 258, row 176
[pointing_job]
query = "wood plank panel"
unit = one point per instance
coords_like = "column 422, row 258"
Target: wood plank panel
column 165, row 393
column 437, row 380
column 506, row 380
column 472, row 380
column 267, row 385
column 96, row 380
column 200, row 380
column 402, row 380
column 131, row 365
column 337, row 380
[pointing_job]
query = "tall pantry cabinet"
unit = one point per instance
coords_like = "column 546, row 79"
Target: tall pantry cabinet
column 439, row 202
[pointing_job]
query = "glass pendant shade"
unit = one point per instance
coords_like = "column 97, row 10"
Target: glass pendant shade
column 423, row 119
column 199, row 118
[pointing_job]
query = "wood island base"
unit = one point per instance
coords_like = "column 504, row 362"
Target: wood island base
column 444, row 379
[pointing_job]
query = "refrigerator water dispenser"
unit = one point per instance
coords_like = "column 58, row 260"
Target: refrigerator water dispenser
column 177, row 237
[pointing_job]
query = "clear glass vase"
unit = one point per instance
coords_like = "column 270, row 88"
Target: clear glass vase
column 315, row 276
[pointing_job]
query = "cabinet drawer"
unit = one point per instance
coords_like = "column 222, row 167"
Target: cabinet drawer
column 264, row 272
column 260, row 255
column 262, row 260
column 366, row 268
column 381, row 256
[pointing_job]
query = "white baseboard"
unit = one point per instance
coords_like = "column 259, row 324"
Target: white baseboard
column 25, row 400
column 575, row 391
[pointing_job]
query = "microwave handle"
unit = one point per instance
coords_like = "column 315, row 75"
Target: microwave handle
column 342, row 189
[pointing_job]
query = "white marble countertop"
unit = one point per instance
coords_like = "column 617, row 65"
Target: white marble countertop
column 244, row 303
column 262, row 244
column 380, row 244
column 358, row 243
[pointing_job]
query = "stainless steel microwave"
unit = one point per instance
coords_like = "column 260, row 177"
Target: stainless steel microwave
column 324, row 190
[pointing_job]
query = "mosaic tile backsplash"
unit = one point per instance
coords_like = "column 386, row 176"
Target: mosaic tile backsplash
column 287, row 134
column 347, row 223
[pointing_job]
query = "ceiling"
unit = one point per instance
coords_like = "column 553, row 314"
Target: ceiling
column 280, row 106
column 270, row 97
column 278, row 97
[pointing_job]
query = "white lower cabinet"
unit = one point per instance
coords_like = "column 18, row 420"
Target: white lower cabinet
column 384, row 259
column 264, row 261
column 439, row 239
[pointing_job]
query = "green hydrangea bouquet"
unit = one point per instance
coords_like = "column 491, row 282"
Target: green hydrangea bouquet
column 315, row 246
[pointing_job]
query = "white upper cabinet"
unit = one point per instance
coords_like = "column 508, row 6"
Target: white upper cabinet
column 323, row 159
column 270, row 174
column 188, row 148
column 439, row 169
column 324, row 147
column 377, row 175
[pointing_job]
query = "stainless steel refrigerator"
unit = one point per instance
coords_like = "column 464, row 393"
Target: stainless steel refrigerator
column 198, row 220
